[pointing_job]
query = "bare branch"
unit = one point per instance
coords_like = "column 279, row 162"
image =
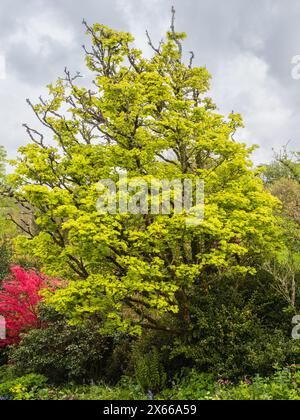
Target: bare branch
column 173, row 11
column 191, row 59
column 157, row 50
column 31, row 132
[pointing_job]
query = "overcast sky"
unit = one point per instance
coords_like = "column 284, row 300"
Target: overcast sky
column 247, row 45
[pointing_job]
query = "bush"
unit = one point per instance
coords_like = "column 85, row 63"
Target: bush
column 23, row 388
column 231, row 335
column 119, row 362
column 193, row 386
column 63, row 353
column 6, row 373
column 126, row 390
column 284, row 385
column 3, row 356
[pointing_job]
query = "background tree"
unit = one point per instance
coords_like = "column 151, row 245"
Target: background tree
column 6, row 228
column 291, row 163
column 13, row 218
column 2, row 162
column 282, row 179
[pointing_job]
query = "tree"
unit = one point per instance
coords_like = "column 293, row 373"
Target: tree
column 3, row 202
column 150, row 117
column 2, row 160
column 293, row 166
column 7, row 207
column 19, row 300
column 283, row 180
column 6, row 228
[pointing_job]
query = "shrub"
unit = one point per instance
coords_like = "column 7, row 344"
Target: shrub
column 284, row 385
column 23, row 388
column 125, row 390
column 6, row 373
column 63, row 353
column 231, row 335
column 193, row 386
column 119, row 362
column 19, row 300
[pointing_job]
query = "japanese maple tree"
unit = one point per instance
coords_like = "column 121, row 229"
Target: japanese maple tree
column 19, row 300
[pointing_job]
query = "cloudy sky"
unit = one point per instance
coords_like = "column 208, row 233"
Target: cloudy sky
column 247, row 45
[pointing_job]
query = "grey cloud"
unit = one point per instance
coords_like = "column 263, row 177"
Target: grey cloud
column 246, row 45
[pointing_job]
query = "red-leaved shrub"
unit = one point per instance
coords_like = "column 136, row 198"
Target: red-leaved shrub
column 19, row 300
